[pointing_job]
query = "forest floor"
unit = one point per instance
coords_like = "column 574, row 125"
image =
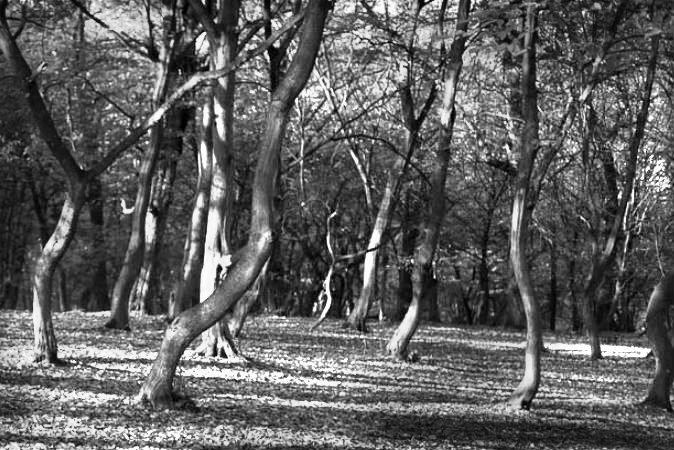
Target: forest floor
column 324, row 389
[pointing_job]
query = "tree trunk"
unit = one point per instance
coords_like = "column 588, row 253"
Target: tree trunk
column 147, row 292
column 100, row 299
column 358, row 316
column 525, row 392
column 44, row 346
column 187, row 292
column 408, row 240
column 219, row 222
column 657, row 330
column 553, row 280
column 397, row 345
column 133, row 258
column 482, row 313
column 248, row 261
column 607, row 256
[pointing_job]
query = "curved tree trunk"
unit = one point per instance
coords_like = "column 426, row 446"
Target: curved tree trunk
column 397, row 345
column 662, row 299
column 187, row 291
column 248, row 261
column 525, row 392
column 44, row 346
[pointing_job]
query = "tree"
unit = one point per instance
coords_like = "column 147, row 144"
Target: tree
column 657, row 330
column 395, row 172
column 170, row 60
column 524, row 394
column 397, row 345
column 248, row 261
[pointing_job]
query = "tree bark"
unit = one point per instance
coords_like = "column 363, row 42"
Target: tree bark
column 248, row 261
column 358, row 316
column 525, row 392
column 100, row 299
column 407, row 245
column 187, row 292
column 657, row 330
column 133, row 258
column 44, row 347
column 553, row 279
column 147, row 291
column 397, row 345
column 223, row 49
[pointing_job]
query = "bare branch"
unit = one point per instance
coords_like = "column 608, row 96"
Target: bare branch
column 192, row 83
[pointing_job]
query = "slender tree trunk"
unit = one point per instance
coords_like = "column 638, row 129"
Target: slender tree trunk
column 100, row 299
column 553, row 280
column 187, row 292
column 397, row 345
column 248, row 261
column 482, row 313
column 657, row 330
column 525, row 392
column 358, row 316
column 133, row 258
column 407, row 245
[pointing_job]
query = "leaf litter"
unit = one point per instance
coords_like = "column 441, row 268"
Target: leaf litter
column 329, row 388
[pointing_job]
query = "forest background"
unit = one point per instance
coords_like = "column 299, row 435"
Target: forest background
column 397, row 201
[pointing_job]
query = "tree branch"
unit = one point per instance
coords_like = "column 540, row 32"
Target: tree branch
column 192, row 83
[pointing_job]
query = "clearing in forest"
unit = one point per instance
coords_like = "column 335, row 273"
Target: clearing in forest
column 324, row 389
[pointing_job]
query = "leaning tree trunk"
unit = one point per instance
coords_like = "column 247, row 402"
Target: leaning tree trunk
column 248, row 261
column 133, row 258
column 44, row 347
column 187, row 291
column 358, row 316
column 397, row 345
column 657, row 330
column 525, row 392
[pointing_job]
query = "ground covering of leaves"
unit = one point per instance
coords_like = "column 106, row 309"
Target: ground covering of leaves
column 329, row 388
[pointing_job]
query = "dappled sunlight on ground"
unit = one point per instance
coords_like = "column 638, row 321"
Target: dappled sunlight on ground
column 607, row 350
column 330, row 388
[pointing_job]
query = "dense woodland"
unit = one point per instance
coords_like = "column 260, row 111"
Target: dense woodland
column 495, row 163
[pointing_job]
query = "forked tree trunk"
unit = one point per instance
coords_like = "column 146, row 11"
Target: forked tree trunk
column 187, row 291
column 133, row 258
column 397, row 345
column 248, row 261
column 44, row 346
column 657, row 330
column 525, row 392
